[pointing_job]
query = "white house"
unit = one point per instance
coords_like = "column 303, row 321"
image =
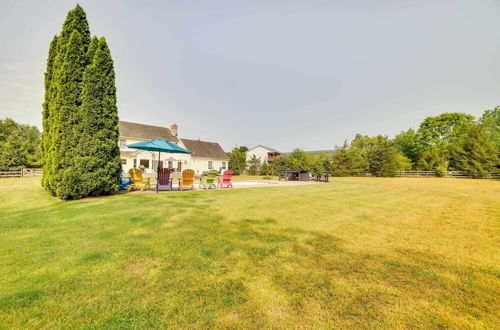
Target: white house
column 264, row 153
column 204, row 155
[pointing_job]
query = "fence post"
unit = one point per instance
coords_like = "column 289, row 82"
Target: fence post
column 22, row 172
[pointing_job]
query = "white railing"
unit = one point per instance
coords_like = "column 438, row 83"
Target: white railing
column 21, row 173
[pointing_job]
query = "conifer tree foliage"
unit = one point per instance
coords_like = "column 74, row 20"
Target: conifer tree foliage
column 432, row 159
column 383, row 158
column 475, row 153
column 253, row 165
column 98, row 164
column 46, row 140
column 348, row 161
column 71, row 119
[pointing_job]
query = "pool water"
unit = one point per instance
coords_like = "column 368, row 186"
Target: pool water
column 249, row 183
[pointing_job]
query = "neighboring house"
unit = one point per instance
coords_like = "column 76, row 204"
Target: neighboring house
column 205, row 155
column 264, row 153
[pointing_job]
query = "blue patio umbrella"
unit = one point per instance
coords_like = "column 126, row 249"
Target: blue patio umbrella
column 159, row 145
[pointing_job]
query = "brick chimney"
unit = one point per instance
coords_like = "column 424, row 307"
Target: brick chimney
column 174, row 129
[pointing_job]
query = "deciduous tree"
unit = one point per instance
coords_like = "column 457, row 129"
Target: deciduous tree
column 237, row 160
column 491, row 123
column 409, row 143
column 19, row 145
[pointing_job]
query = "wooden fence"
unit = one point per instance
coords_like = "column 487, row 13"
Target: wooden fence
column 416, row 174
column 21, row 173
column 432, row 174
column 450, row 174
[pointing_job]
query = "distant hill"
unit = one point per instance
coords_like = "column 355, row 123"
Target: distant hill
column 320, row 152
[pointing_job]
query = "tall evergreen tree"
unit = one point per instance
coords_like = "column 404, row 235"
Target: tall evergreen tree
column 80, row 142
column 46, row 140
column 65, row 65
column 67, row 117
column 98, row 163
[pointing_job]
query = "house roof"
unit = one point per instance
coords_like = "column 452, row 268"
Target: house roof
column 146, row 132
column 205, row 149
column 260, row 145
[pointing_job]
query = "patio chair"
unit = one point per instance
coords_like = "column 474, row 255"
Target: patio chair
column 225, row 181
column 124, row 183
column 187, row 180
column 138, row 181
column 164, row 179
column 209, row 180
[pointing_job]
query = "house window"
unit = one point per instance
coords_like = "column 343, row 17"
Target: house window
column 144, row 162
column 170, row 164
column 179, row 166
column 135, row 163
column 210, row 166
column 123, row 143
column 223, row 165
column 124, row 161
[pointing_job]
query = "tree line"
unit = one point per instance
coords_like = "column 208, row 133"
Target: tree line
column 297, row 160
column 447, row 142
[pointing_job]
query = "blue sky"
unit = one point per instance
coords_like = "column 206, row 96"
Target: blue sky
column 285, row 74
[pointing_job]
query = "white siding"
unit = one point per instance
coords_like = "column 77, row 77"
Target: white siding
column 259, row 152
column 198, row 164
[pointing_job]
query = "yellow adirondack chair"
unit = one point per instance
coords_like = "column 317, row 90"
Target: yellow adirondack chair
column 139, row 182
column 187, row 179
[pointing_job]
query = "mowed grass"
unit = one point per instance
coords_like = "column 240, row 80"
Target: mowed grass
column 357, row 252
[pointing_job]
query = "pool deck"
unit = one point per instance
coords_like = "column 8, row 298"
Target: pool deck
column 269, row 183
column 276, row 183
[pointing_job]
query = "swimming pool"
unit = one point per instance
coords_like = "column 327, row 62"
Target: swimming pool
column 237, row 183
column 249, row 183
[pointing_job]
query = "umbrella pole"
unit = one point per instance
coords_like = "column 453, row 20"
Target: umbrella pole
column 158, row 173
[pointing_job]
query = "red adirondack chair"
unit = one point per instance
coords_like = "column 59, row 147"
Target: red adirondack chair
column 164, row 180
column 225, row 181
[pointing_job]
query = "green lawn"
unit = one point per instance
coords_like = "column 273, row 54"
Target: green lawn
column 357, row 252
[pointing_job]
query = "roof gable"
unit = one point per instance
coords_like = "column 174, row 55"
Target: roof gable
column 145, row 132
column 260, row 145
column 204, row 149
